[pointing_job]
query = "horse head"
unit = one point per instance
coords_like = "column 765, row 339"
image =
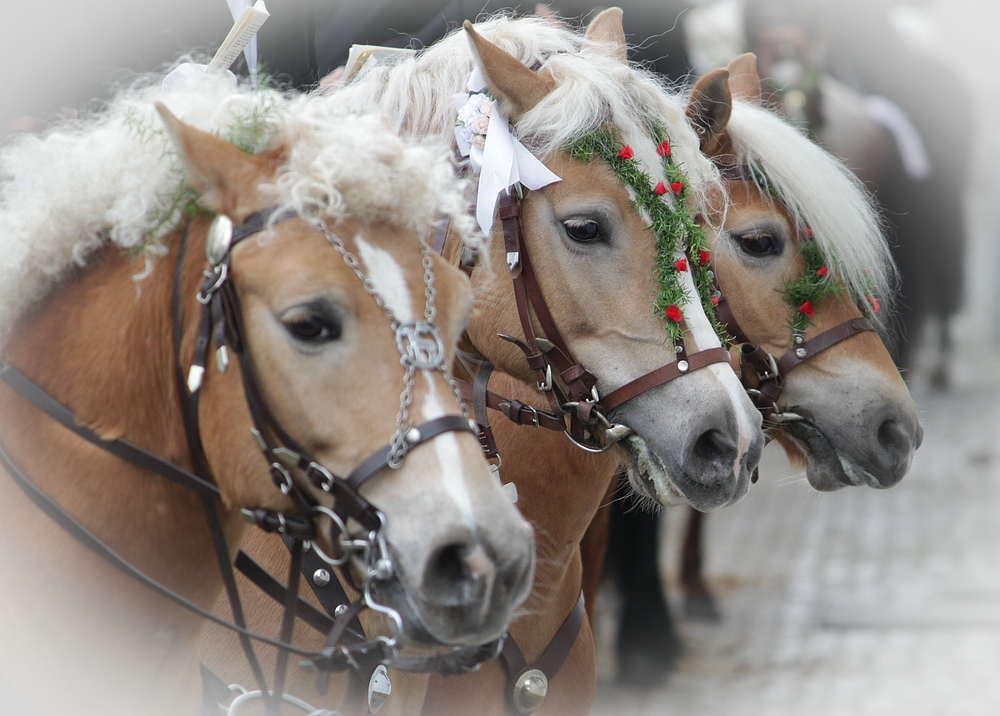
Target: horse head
column 601, row 270
column 349, row 323
column 798, row 255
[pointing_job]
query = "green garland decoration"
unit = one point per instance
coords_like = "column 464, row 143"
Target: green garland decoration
column 812, row 286
column 816, row 282
column 674, row 226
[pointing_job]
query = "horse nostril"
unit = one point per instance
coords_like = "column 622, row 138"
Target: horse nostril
column 897, row 445
column 713, row 450
column 458, row 575
column 894, row 439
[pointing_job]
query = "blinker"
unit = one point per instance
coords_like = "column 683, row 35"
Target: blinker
column 219, row 239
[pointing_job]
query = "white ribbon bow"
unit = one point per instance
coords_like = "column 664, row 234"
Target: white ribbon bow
column 502, row 162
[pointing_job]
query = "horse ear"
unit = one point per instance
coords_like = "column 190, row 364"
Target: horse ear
column 511, row 82
column 709, row 109
column 607, row 28
column 224, row 176
column 744, row 82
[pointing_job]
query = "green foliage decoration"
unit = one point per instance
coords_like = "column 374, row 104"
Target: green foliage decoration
column 672, row 223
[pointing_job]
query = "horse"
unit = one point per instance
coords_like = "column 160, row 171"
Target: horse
column 757, row 251
column 914, row 169
column 108, row 570
column 585, row 240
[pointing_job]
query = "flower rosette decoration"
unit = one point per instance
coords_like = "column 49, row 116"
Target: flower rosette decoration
column 473, row 120
column 677, row 233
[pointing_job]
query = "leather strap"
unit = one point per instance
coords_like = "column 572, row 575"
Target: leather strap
column 555, row 653
column 516, row 411
column 667, row 373
column 818, row 344
column 427, row 431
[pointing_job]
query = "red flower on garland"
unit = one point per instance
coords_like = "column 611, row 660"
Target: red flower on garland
column 807, row 308
column 676, row 187
column 822, row 271
column 660, row 189
column 715, row 300
column 704, row 257
column 673, row 312
column 626, row 152
column 681, row 265
column 663, row 149
column 874, row 303
column 807, row 232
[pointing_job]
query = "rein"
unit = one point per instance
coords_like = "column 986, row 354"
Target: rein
column 221, row 322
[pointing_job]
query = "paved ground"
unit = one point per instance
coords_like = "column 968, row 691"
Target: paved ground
column 858, row 603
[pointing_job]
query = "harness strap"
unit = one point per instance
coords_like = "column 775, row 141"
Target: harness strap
column 119, row 447
column 68, row 523
column 527, row 291
column 549, row 663
column 516, row 411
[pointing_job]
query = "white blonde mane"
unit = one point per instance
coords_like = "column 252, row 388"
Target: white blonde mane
column 593, row 88
column 819, row 192
column 115, row 177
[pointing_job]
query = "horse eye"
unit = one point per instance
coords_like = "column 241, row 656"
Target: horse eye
column 583, row 231
column 759, row 244
column 312, row 327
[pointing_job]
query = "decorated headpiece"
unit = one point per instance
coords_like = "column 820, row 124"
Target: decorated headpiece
column 483, row 135
column 670, row 220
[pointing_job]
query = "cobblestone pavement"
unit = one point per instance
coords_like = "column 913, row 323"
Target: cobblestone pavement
column 859, row 603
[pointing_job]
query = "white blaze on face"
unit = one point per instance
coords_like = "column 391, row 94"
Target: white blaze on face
column 390, row 283
column 388, row 279
column 702, row 334
column 448, row 454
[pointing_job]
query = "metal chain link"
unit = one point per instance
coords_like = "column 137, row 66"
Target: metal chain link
column 398, row 444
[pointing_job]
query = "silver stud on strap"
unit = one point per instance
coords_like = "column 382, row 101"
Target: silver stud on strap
column 530, row 690
column 800, row 353
column 683, row 366
column 321, row 577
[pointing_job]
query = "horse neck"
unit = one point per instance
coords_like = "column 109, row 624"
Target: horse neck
column 102, row 345
column 559, row 486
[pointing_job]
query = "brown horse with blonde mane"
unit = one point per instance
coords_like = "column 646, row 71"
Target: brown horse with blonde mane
column 107, row 334
column 844, row 410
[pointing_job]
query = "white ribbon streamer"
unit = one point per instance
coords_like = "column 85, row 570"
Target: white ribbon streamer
column 502, row 162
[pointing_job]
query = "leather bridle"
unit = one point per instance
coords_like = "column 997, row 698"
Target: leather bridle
column 295, row 472
column 764, row 375
column 570, row 388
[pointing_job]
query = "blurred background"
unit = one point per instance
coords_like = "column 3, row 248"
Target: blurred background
column 858, row 602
